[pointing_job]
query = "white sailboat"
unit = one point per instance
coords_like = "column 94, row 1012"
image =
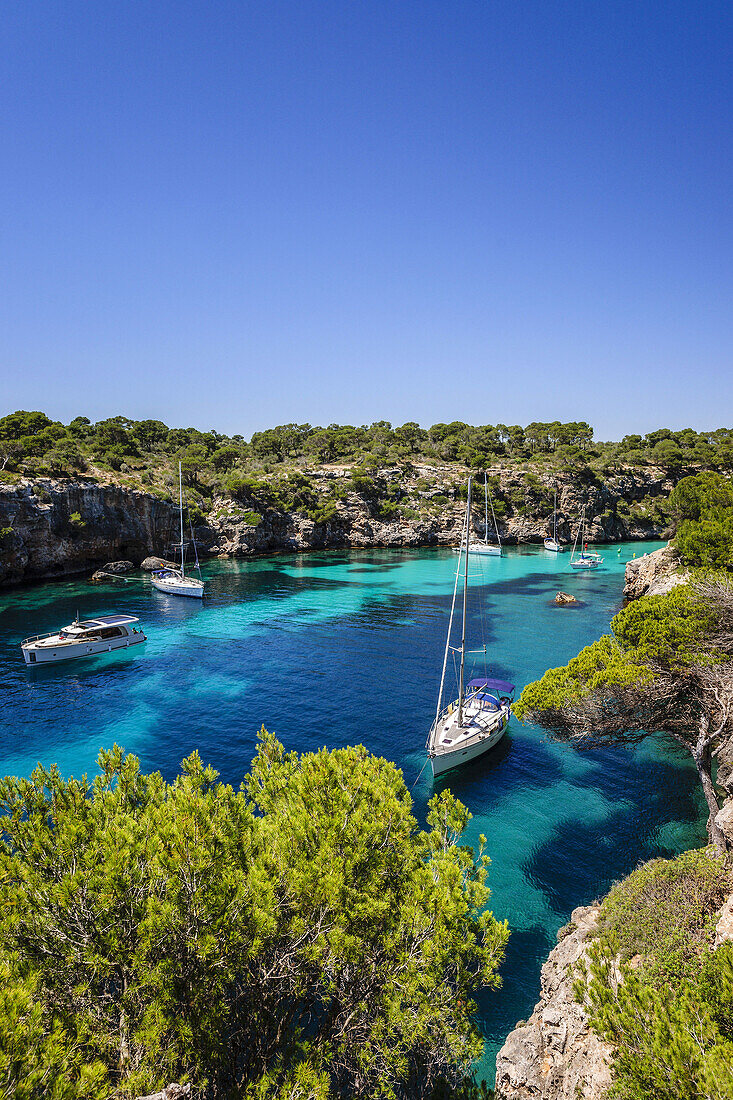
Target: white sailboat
column 586, row 559
column 174, row 581
column 483, row 546
column 553, row 544
column 474, row 722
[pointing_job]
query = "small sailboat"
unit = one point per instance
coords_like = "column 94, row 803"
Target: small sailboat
column 586, row 559
column 483, row 546
column 174, row 581
column 476, row 721
column 553, row 544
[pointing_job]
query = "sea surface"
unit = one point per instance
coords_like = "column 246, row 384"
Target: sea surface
column 345, row 648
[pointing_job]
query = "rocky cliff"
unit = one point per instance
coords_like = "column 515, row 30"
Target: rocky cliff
column 623, row 506
column 555, row 1055
column 654, row 574
column 51, row 528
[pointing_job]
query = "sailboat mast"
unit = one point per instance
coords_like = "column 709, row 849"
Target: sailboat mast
column 486, row 506
column 465, row 601
column 555, row 529
column 180, row 505
column 577, row 535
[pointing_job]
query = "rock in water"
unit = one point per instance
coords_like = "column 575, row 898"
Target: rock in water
column 565, row 597
column 157, row 563
column 117, row 567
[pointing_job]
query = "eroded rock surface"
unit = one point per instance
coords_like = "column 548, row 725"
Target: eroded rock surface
column 653, row 574
column 555, row 1055
column 57, row 528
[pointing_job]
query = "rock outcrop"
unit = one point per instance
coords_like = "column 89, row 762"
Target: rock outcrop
column 555, row 1055
column 653, row 574
column 563, row 598
column 152, row 562
column 57, row 528
column 118, row 567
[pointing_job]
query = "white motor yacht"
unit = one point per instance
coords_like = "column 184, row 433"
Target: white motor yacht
column 476, row 721
column 174, row 581
column 83, row 639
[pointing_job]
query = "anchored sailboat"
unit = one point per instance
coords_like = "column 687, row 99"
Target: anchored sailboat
column 586, row 559
column 553, row 544
column 483, row 546
column 174, row 581
column 472, row 724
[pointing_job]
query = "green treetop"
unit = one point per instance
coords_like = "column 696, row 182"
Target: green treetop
column 300, row 937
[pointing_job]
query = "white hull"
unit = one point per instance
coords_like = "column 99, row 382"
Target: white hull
column 479, row 548
column 86, row 639
column 551, row 544
column 584, row 564
column 471, row 747
column 68, row 653
column 179, row 586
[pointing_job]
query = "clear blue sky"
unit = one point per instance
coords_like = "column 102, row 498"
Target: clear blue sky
column 235, row 215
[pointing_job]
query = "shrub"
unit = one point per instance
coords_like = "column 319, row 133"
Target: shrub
column 665, row 910
column 299, row 936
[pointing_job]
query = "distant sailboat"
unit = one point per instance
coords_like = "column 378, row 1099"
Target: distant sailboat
column 586, row 559
column 483, row 546
column 553, row 544
column 174, row 581
column 477, row 720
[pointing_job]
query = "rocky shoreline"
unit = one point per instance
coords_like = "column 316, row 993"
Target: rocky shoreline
column 555, row 1055
column 57, row 528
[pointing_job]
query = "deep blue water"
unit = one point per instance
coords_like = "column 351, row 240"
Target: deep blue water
column 332, row 649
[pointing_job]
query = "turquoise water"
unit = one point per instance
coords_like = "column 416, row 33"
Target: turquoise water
column 341, row 648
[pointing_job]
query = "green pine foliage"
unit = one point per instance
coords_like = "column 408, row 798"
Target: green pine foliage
column 657, row 989
column 703, row 507
column 299, row 937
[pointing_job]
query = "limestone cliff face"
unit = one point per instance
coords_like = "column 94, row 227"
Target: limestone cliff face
column 620, row 508
column 41, row 536
column 654, row 574
column 51, row 528
column 555, row 1055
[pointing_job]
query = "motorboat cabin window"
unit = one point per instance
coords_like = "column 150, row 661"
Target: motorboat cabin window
column 111, row 632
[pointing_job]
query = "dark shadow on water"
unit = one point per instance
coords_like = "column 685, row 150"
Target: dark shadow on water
column 501, row 1010
column 581, row 861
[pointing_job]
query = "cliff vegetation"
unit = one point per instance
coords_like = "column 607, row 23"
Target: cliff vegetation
column 75, row 496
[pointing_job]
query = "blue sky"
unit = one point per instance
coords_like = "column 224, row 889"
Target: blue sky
column 234, row 215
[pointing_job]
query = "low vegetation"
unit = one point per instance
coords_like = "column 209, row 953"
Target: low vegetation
column 407, row 472
column 300, row 937
column 658, row 988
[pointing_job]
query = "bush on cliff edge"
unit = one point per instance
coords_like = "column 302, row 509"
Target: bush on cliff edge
column 658, row 989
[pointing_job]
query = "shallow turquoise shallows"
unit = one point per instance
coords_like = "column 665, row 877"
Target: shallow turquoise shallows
column 332, row 649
